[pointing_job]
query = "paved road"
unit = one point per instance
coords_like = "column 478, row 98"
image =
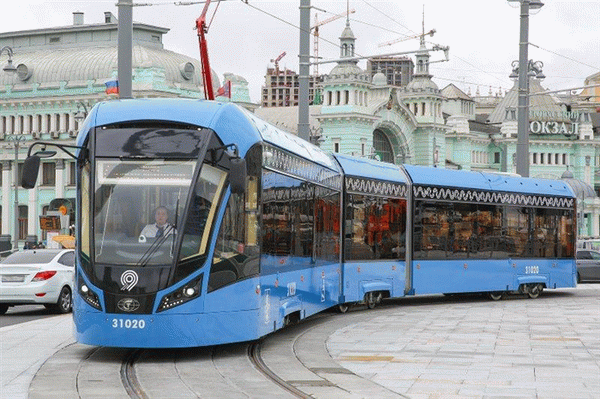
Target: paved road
column 470, row 348
column 428, row 347
column 23, row 314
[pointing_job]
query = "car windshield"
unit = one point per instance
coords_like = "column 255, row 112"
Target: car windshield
column 30, row 257
column 134, row 200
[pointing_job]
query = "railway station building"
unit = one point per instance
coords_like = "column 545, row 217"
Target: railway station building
column 62, row 72
column 421, row 124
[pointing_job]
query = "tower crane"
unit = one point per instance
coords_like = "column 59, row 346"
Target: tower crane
column 276, row 61
column 315, row 29
column 401, row 39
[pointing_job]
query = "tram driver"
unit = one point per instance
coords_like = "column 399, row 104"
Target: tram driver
column 160, row 228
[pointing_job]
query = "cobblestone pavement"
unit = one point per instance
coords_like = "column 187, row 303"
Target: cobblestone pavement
column 547, row 347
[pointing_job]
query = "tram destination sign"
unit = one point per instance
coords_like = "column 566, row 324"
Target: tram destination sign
column 552, row 122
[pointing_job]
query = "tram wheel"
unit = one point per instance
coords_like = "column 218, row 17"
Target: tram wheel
column 343, row 307
column 535, row 290
column 371, row 299
column 496, row 296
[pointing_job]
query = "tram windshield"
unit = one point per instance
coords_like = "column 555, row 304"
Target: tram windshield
column 137, row 210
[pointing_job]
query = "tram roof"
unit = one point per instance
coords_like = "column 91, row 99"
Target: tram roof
column 369, row 168
column 231, row 122
column 486, row 181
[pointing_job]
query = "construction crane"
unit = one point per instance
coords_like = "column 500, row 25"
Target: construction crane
column 276, row 61
column 202, row 29
column 315, row 32
column 401, row 39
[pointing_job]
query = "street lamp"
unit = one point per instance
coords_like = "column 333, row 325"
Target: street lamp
column 17, row 139
column 82, row 112
column 523, row 105
column 11, row 69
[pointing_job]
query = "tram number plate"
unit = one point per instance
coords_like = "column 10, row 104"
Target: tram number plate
column 532, row 269
column 133, row 324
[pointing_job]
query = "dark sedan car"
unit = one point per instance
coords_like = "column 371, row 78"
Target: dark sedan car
column 588, row 266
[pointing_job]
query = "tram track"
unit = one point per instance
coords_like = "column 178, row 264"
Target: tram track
column 290, row 363
column 255, row 356
column 128, row 376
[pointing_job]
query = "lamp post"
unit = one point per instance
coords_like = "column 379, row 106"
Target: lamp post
column 11, row 69
column 16, row 139
column 82, row 112
column 523, row 88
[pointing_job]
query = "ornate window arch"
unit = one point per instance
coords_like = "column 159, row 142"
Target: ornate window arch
column 383, row 146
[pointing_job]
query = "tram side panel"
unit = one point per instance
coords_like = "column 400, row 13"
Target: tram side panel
column 374, row 246
column 300, row 249
column 470, row 247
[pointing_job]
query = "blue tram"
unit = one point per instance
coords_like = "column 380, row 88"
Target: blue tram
column 266, row 228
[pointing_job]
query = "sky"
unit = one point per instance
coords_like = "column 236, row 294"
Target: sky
column 244, row 36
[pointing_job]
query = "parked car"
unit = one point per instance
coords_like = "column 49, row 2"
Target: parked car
column 588, row 265
column 38, row 276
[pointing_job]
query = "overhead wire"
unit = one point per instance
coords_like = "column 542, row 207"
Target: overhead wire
column 186, row 3
column 564, row 56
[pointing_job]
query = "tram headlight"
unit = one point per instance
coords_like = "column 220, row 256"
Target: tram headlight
column 181, row 295
column 88, row 295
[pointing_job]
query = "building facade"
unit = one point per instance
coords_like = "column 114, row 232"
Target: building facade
column 421, row 124
column 61, row 73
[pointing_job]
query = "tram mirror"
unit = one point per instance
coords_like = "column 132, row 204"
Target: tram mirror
column 30, row 171
column 237, row 176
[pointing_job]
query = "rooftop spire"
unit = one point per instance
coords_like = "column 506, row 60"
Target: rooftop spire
column 423, row 32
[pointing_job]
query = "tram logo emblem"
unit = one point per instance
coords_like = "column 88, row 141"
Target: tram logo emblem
column 128, row 305
column 129, row 279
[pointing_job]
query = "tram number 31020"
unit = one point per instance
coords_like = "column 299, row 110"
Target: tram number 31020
column 129, row 323
column 532, row 269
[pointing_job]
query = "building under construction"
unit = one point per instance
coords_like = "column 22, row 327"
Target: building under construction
column 281, row 88
column 398, row 70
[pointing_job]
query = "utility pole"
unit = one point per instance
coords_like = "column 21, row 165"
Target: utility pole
column 124, row 43
column 304, row 71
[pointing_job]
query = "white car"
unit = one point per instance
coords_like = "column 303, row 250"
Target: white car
column 38, row 276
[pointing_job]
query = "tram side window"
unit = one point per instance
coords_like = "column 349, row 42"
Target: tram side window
column 237, row 250
column 434, row 231
column 458, row 230
column 517, row 230
column 492, row 228
column 286, row 211
column 85, row 240
column 302, row 218
column 277, row 228
column 395, row 247
column 234, row 258
column 566, row 235
column 359, row 243
column 375, row 228
column 327, row 225
column 545, row 233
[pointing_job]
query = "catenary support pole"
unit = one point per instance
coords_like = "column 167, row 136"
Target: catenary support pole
column 125, row 45
column 304, row 70
column 522, row 158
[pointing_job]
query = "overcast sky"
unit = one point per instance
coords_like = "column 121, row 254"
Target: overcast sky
column 483, row 35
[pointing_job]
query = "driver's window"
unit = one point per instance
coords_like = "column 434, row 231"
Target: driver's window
column 202, row 209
